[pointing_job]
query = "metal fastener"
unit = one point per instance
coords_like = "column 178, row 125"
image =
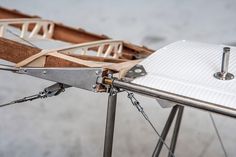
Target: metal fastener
column 44, row 72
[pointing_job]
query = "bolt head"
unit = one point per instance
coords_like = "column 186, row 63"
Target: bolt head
column 97, row 72
column 94, row 86
column 44, row 72
column 138, row 70
column 110, row 75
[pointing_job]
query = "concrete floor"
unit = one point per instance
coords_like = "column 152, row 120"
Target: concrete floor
column 72, row 124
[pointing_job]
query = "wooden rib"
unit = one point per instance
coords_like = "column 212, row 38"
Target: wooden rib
column 72, row 35
column 15, row 52
column 98, row 59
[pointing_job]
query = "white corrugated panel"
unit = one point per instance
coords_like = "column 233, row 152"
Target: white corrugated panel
column 187, row 68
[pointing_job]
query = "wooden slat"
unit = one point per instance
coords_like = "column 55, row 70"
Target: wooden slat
column 15, row 52
column 72, row 35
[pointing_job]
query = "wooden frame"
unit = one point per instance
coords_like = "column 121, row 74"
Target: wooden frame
column 73, row 35
column 44, row 27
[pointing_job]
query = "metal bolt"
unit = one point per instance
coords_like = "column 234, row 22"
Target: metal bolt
column 110, row 75
column 97, row 72
column 44, row 72
column 25, row 71
column 138, row 70
column 113, row 91
column 94, row 86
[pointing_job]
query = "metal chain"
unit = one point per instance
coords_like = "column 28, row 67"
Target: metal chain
column 218, row 135
column 136, row 103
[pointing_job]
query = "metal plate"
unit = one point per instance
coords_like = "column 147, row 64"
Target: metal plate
column 135, row 72
column 84, row 78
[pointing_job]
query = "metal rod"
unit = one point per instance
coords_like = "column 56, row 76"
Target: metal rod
column 165, row 131
column 179, row 99
column 224, row 74
column 225, row 60
column 176, row 129
column 110, row 123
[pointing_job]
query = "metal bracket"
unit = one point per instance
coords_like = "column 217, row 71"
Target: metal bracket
column 84, row 78
column 135, row 72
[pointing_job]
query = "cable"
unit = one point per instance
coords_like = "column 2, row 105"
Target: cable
column 136, row 103
column 218, row 135
column 29, row 98
column 50, row 91
column 16, row 35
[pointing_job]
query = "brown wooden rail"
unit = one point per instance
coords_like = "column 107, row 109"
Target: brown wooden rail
column 15, row 52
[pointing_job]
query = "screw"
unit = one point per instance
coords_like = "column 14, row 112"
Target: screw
column 94, row 86
column 110, row 75
column 130, row 71
column 138, row 70
column 44, row 72
column 25, row 71
column 97, row 72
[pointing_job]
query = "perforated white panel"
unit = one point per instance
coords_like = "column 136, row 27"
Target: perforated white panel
column 187, row 68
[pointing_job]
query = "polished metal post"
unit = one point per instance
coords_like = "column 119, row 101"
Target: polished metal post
column 165, row 131
column 225, row 60
column 176, row 130
column 224, row 74
column 110, row 123
column 179, row 99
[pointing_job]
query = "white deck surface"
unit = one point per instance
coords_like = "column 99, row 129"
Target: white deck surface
column 186, row 68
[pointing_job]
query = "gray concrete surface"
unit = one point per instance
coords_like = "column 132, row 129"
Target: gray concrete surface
column 72, row 124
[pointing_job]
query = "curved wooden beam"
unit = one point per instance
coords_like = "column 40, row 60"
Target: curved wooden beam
column 15, row 52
